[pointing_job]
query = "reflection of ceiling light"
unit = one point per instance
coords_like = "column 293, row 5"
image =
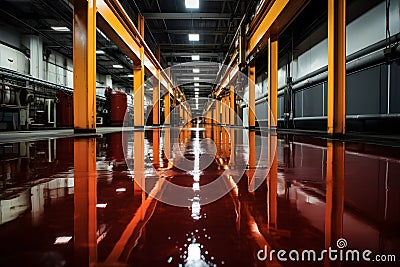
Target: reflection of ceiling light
column 192, row 3
column 194, row 37
column 100, row 52
column 196, row 89
column 101, row 206
column 62, row 240
column 196, row 70
column 196, row 78
column 196, row 187
column 194, row 253
column 196, row 93
column 60, row 29
column 118, row 66
column 119, row 190
column 129, row 76
column 196, row 84
column 195, row 57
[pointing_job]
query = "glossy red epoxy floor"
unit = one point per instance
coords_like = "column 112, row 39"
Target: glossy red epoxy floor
column 63, row 206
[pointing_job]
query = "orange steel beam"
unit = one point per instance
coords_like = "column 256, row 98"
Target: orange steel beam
column 117, row 25
column 84, row 59
column 336, row 66
column 275, row 17
column 252, row 95
column 272, row 82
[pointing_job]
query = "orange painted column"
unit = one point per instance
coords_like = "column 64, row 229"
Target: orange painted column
column 272, row 83
column 232, row 105
column 138, row 82
column 336, row 67
column 84, row 61
column 252, row 95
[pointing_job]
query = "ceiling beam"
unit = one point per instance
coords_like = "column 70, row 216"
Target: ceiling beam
column 179, row 16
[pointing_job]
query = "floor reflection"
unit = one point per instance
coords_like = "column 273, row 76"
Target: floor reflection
column 94, row 201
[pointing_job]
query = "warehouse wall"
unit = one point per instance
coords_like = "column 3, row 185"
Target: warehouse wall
column 56, row 68
column 372, row 91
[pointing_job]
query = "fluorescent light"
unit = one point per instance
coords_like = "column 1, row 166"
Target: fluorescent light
column 100, row 52
column 196, row 84
column 196, row 89
column 60, row 29
column 118, row 66
column 196, row 70
column 101, row 206
column 194, row 37
column 192, row 3
column 196, row 93
column 62, row 240
column 195, row 57
column 196, row 78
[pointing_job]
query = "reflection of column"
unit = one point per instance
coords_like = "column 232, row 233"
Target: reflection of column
column 232, row 147
column 139, row 175
column 156, row 148
column 272, row 182
column 85, row 200
column 334, row 194
column 167, row 142
column 252, row 159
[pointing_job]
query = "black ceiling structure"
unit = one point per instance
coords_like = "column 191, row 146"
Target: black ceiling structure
column 167, row 26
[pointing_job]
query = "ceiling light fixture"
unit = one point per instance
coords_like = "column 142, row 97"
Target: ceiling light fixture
column 195, row 57
column 194, row 37
column 118, row 66
column 196, row 70
column 196, row 89
column 192, row 3
column 196, row 78
column 60, row 29
column 196, row 84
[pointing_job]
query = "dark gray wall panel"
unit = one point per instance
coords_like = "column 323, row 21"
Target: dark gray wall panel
column 261, row 111
column 280, row 107
column 298, row 102
column 313, row 101
column 363, row 92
